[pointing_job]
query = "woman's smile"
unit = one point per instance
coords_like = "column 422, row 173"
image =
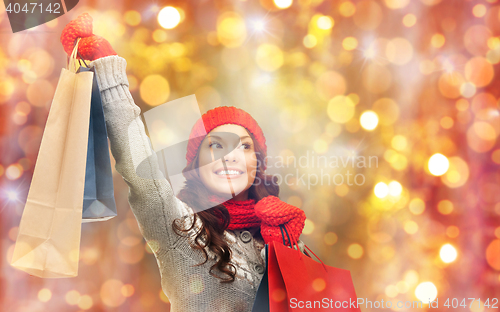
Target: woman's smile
column 229, row 172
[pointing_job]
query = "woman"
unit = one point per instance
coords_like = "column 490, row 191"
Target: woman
column 209, row 259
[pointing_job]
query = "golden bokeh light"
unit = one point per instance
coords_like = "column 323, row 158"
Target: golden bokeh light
column 350, row 43
column 368, row 120
column 347, row 9
column 452, row 231
column 381, row 190
column 399, row 51
column 44, row 294
column 340, row 109
column 445, row 207
column 438, row 40
column 396, row 4
column 154, row 90
column 111, row 293
column 438, row 164
column 132, row 17
column 481, row 136
column 409, row 20
column 479, row 71
column 231, row 29
column 332, row 84
column 169, row 17
column 330, row 238
column 426, row 292
column 493, row 254
column 376, row 78
column 308, row 227
column 269, row 57
column 410, row 227
column 448, row 253
column 355, row 251
column 283, row 4
column 457, row 174
column 417, row 206
column 387, row 110
column 368, row 15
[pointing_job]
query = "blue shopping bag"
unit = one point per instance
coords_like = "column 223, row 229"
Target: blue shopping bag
column 98, row 199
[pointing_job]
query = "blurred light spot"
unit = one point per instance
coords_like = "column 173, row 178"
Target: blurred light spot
column 44, row 295
column 330, row 238
column 411, row 277
column 347, row 9
column 127, row 290
column 196, row 284
column 476, row 39
column 495, row 157
column 159, row 35
column 399, row 51
column 458, row 173
column 368, row 15
column 468, row 89
column 320, row 146
column 269, row 57
column 231, row 30
column 11, row 195
column 437, row 40
column 391, row 291
column 399, row 142
column 445, row 207
column 259, row 25
column 417, row 206
column 376, row 78
column 355, row 251
column 329, row 85
column 396, row 4
column 452, row 231
column 40, row 93
column 72, row 297
column 132, row 17
column 497, row 232
column 381, row 190
column 350, row 43
column 111, row 293
column 448, row 253
column 395, row 188
column 409, row 20
column 481, row 136
column 340, row 109
column 85, row 302
column 368, row 120
column 410, row 227
column 446, row 122
column 493, row 254
column 169, row 17
column 325, row 22
column 14, row 171
column 426, row 292
column 310, row 41
column 90, row 255
column 308, row 227
column 479, row 10
column 438, row 164
column 283, row 4
column 154, row 90
column 387, row 111
column 278, row 295
column 479, row 71
column 319, row 284
column 450, row 83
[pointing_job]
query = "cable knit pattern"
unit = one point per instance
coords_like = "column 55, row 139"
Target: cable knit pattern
column 274, row 212
column 155, row 207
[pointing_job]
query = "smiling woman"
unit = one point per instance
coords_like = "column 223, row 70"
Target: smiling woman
column 208, row 240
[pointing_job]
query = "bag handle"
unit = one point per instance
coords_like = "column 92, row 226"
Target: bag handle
column 72, row 58
column 283, row 226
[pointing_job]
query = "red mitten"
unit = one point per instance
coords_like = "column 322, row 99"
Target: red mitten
column 273, row 212
column 80, row 27
column 90, row 47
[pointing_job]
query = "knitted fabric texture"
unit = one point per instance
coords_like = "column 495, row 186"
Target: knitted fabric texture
column 219, row 116
column 90, row 47
column 269, row 213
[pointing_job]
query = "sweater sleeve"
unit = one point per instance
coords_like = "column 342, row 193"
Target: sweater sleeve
column 150, row 196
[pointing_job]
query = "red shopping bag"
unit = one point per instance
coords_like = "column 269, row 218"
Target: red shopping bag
column 299, row 283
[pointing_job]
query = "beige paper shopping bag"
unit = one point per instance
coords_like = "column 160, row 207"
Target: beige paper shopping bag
column 48, row 241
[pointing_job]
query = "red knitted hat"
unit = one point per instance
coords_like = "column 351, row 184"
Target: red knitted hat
column 219, row 116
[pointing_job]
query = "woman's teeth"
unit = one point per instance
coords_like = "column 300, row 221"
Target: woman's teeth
column 228, row 172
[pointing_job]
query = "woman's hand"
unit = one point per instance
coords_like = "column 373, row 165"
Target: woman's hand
column 90, row 47
column 273, row 212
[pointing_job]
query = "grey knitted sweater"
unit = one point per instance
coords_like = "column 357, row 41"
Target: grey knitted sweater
column 189, row 288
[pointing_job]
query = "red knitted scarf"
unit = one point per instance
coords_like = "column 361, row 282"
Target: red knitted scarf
column 268, row 214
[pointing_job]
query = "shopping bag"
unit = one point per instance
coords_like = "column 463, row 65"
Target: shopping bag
column 98, row 198
column 48, row 240
column 298, row 283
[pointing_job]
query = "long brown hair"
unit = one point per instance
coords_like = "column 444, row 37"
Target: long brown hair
column 216, row 220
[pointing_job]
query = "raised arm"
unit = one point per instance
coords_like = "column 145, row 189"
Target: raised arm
column 150, row 195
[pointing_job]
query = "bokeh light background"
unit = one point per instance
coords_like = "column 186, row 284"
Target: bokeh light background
column 414, row 83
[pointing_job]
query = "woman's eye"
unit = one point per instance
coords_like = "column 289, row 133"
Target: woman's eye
column 217, row 145
column 245, row 146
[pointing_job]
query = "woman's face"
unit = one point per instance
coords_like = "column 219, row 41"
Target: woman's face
column 227, row 161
